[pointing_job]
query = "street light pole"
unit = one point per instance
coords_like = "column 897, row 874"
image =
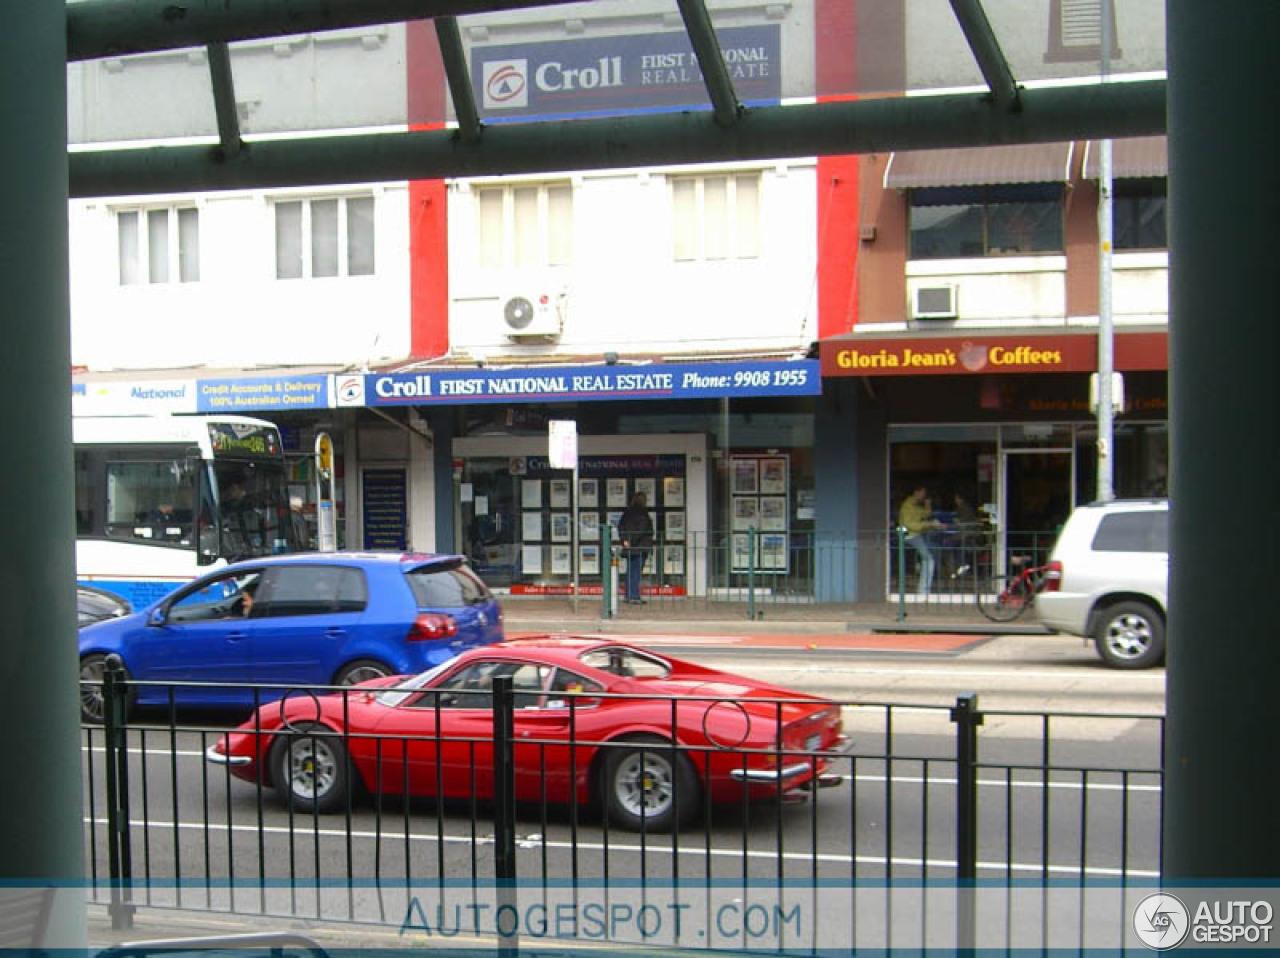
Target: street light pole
column 1106, row 330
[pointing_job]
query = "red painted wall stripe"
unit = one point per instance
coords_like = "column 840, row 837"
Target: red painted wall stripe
column 835, row 77
column 428, row 200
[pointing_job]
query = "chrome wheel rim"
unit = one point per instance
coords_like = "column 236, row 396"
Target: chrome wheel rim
column 362, row 674
column 1128, row 636
column 645, row 784
column 313, row 768
column 91, row 688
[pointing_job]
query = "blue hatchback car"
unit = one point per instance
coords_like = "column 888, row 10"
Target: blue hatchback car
column 333, row 618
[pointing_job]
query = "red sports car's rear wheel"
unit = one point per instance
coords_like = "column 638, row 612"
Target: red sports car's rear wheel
column 649, row 787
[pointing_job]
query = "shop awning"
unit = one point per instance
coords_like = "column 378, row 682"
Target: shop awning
column 980, row 166
column 1137, row 157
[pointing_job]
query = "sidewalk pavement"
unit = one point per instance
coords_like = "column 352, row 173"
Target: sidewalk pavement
column 939, row 627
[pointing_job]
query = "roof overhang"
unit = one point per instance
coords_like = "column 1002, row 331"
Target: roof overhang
column 1140, row 157
column 983, row 166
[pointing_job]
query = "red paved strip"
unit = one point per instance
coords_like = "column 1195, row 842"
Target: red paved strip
column 878, row 642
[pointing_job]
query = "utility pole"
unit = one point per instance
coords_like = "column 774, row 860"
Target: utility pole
column 1106, row 331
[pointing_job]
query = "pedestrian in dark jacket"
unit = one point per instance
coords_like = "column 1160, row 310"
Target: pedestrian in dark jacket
column 635, row 529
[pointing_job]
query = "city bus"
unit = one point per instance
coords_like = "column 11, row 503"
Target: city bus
column 160, row 499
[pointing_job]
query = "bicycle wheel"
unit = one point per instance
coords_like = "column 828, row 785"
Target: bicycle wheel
column 1004, row 598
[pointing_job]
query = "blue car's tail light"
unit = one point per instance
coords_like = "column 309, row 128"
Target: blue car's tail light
column 430, row 626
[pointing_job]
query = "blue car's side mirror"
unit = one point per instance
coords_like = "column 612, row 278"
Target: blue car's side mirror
column 156, row 617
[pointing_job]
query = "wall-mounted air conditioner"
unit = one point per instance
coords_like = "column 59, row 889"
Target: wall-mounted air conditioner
column 529, row 315
column 937, row 301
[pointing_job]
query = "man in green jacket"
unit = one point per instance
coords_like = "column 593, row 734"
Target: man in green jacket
column 916, row 517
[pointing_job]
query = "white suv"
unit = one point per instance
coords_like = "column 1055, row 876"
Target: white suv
column 1109, row 579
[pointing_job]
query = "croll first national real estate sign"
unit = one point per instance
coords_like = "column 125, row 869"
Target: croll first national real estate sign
column 620, row 74
column 585, row 383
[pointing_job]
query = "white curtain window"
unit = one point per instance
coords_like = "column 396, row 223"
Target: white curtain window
column 529, row 225
column 715, row 217
column 717, row 224
column 746, row 231
column 158, row 245
column 130, row 247
column 527, row 232
column 188, row 246
column 288, row 240
column 327, row 237
column 559, row 225
column 360, row 247
column 168, row 246
column 684, row 219
column 324, row 238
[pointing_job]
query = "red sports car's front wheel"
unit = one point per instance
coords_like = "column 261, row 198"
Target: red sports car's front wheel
column 649, row 787
column 311, row 770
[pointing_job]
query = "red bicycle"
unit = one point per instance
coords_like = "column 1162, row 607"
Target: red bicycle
column 1004, row 598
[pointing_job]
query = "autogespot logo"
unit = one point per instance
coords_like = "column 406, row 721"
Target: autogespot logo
column 1161, row 921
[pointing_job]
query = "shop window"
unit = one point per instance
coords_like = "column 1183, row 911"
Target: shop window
column 525, row 225
column 715, row 217
column 1138, row 214
column 324, row 237
column 1010, row 220
column 158, row 245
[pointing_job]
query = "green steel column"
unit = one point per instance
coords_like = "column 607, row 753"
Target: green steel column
column 1224, row 657
column 41, row 835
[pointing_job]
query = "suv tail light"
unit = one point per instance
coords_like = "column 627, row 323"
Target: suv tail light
column 430, row 626
column 1052, row 577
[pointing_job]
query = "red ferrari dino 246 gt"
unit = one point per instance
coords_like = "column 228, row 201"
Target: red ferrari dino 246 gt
column 650, row 737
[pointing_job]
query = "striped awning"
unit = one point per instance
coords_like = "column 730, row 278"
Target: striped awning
column 980, row 166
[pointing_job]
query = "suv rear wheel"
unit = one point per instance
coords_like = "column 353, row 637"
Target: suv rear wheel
column 1130, row 635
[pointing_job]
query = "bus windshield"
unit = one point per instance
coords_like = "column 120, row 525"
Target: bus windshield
column 253, row 509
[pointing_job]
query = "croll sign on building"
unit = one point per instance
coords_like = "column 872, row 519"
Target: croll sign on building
column 619, row 74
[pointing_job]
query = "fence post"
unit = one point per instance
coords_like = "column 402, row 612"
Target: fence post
column 504, row 809
column 116, row 750
column 901, row 533
column 608, row 583
column 967, row 719
column 751, row 573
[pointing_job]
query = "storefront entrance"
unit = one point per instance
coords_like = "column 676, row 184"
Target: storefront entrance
column 1038, row 493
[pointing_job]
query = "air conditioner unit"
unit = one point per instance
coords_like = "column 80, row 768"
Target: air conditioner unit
column 934, row 302
column 528, row 315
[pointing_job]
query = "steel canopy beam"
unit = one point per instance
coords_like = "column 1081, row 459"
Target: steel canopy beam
column 455, row 69
column 224, row 98
column 715, row 75
column 836, row 128
column 112, row 28
column 986, row 51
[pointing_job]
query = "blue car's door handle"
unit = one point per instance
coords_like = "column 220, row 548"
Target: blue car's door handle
column 335, row 633
column 237, row 636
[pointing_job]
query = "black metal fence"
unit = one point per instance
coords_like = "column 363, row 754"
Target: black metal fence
column 755, row 571
column 924, row 793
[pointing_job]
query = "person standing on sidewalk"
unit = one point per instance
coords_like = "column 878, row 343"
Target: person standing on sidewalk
column 635, row 529
column 916, row 517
